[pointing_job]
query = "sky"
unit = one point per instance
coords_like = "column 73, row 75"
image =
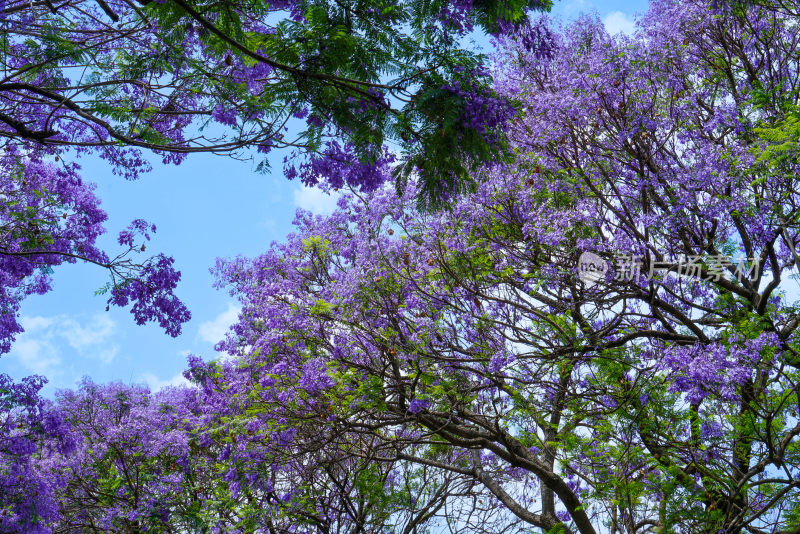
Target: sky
column 207, row 207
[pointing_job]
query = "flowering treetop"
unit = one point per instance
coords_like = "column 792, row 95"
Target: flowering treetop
column 179, row 77
column 396, row 369
column 121, row 77
column 468, row 342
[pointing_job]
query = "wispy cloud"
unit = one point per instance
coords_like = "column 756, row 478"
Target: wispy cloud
column 36, row 355
column 43, row 346
column 214, row 331
column 570, row 8
column 619, row 22
column 315, row 200
column 97, row 330
column 156, row 383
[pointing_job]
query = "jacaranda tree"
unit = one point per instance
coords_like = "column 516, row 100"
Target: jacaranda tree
column 183, row 76
column 31, row 430
column 600, row 337
column 119, row 78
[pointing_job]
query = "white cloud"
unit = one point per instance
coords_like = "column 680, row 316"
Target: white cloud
column 37, row 355
column 156, row 383
column 36, row 323
column 96, row 331
column 570, row 8
column 108, row 355
column 213, row 331
column 315, row 200
column 619, row 22
column 41, row 347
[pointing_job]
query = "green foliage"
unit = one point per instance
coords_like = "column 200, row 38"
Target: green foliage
column 780, row 140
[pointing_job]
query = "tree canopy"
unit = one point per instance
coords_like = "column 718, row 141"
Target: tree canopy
column 347, row 85
column 231, row 77
column 600, row 336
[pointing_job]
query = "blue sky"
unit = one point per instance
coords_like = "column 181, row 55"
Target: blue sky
column 207, row 207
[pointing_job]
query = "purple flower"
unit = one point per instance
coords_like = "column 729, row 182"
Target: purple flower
column 224, row 115
column 417, row 405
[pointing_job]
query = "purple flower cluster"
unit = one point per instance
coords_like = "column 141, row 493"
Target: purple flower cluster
column 536, row 39
column 337, row 166
column 31, row 432
column 151, row 295
column 411, row 361
column 50, row 216
column 455, row 16
column 482, row 110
